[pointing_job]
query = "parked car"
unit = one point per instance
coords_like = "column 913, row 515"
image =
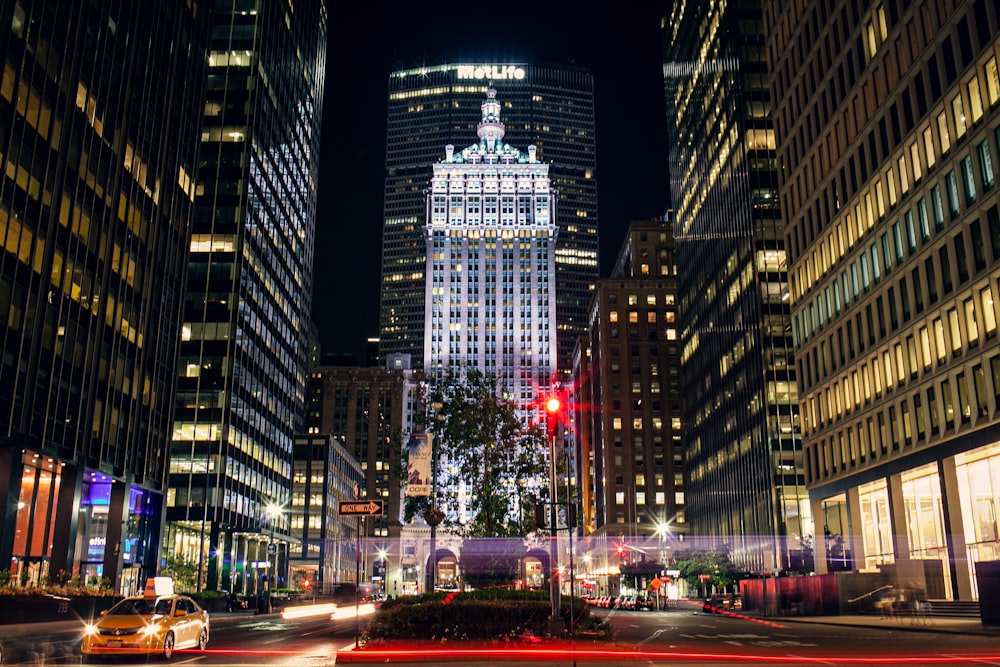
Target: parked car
column 156, row 622
column 236, row 602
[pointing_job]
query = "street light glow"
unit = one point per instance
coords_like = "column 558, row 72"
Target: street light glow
column 552, row 405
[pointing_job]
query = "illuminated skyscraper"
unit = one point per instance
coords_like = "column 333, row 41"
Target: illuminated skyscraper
column 491, row 237
column 888, row 120
column 548, row 106
column 491, row 240
column 244, row 346
column 741, row 413
column 95, row 216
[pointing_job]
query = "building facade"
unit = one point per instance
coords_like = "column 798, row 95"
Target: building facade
column 95, row 216
column 548, row 106
column 324, row 548
column 741, row 415
column 244, row 341
column 888, row 122
column 490, row 300
column 370, row 410
column 631, row 450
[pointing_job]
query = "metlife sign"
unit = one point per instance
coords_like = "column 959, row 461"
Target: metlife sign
column 491, row 72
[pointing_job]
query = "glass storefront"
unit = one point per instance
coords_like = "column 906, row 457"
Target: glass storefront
column 979, row 488
column 876, row 527
column 40, row 480
column 921, row 489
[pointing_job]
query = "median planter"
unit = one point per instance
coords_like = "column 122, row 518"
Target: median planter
column 44, row 607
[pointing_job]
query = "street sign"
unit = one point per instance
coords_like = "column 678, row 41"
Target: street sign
column 362, row 508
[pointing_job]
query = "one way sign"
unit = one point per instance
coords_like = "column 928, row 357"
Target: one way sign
column 362, row 508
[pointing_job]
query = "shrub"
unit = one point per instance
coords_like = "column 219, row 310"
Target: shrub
column 498, row 614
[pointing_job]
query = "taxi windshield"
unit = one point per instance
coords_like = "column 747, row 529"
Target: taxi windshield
column 141, row 606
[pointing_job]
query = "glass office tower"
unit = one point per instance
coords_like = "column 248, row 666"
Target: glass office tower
column 548, row 106
column 741, row 413
column 244, row 341
column 888, row 119
column 99, row 117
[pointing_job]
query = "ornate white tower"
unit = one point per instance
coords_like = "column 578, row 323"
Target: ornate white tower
column 490, row 289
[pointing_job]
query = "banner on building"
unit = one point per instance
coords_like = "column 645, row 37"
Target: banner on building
column 418, row 469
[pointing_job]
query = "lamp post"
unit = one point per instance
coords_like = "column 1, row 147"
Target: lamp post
column 552, row 407
column 383, row 556
column 273, row 511
column 439, row 418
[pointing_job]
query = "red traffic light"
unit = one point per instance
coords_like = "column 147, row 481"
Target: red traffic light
column 553, row 405
column 306, row 584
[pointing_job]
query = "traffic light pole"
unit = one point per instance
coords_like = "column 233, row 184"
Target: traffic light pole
column 553, row 522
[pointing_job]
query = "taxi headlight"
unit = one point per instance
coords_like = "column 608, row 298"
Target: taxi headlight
column 90, row 629
column 149, row 630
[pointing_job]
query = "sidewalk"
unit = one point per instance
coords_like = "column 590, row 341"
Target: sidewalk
column 947, row 624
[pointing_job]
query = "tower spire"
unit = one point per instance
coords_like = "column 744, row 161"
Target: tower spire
column 491, row 129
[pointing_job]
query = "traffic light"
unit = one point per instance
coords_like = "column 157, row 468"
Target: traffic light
column 553, row 407
column 306, row 584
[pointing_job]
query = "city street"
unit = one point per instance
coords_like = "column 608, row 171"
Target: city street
column 236, row 639
column 683, row 636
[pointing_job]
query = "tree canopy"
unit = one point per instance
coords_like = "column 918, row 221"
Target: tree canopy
column 484, row 448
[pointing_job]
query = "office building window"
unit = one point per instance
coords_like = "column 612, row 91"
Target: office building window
column 975, row 100
column 986, row 164
column 969, row 180
column 992, row 81
column 958, row 114
column 979, row 387
column 952, row 182
column 989, row 312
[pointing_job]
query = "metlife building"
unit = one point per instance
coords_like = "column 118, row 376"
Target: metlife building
column 549, row 106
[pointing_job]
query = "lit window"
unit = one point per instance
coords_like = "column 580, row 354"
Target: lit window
column 971, row 326
column 975, row 100
column 942, row 123
column 992, row 81
column 989, row 314
column 958, row 113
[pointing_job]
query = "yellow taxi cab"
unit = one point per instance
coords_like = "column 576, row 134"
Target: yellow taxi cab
column 158, row 621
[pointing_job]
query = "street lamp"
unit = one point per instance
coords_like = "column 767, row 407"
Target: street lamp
column 383, row 555
column 435, row 517
column 273, row 511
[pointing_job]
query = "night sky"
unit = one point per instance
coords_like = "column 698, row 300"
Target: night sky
column 620, row 43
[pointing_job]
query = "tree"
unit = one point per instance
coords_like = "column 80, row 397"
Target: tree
column 183, row 571
column 484, row 445
column 715, row 563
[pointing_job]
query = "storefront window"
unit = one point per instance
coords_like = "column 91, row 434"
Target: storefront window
column 924, row 517
column 979, row 488
column 875, row 525
column 35, row 520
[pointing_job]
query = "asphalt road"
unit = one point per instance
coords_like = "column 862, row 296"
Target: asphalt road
column 236, row 639
column 706, row 638
column 677, row 638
